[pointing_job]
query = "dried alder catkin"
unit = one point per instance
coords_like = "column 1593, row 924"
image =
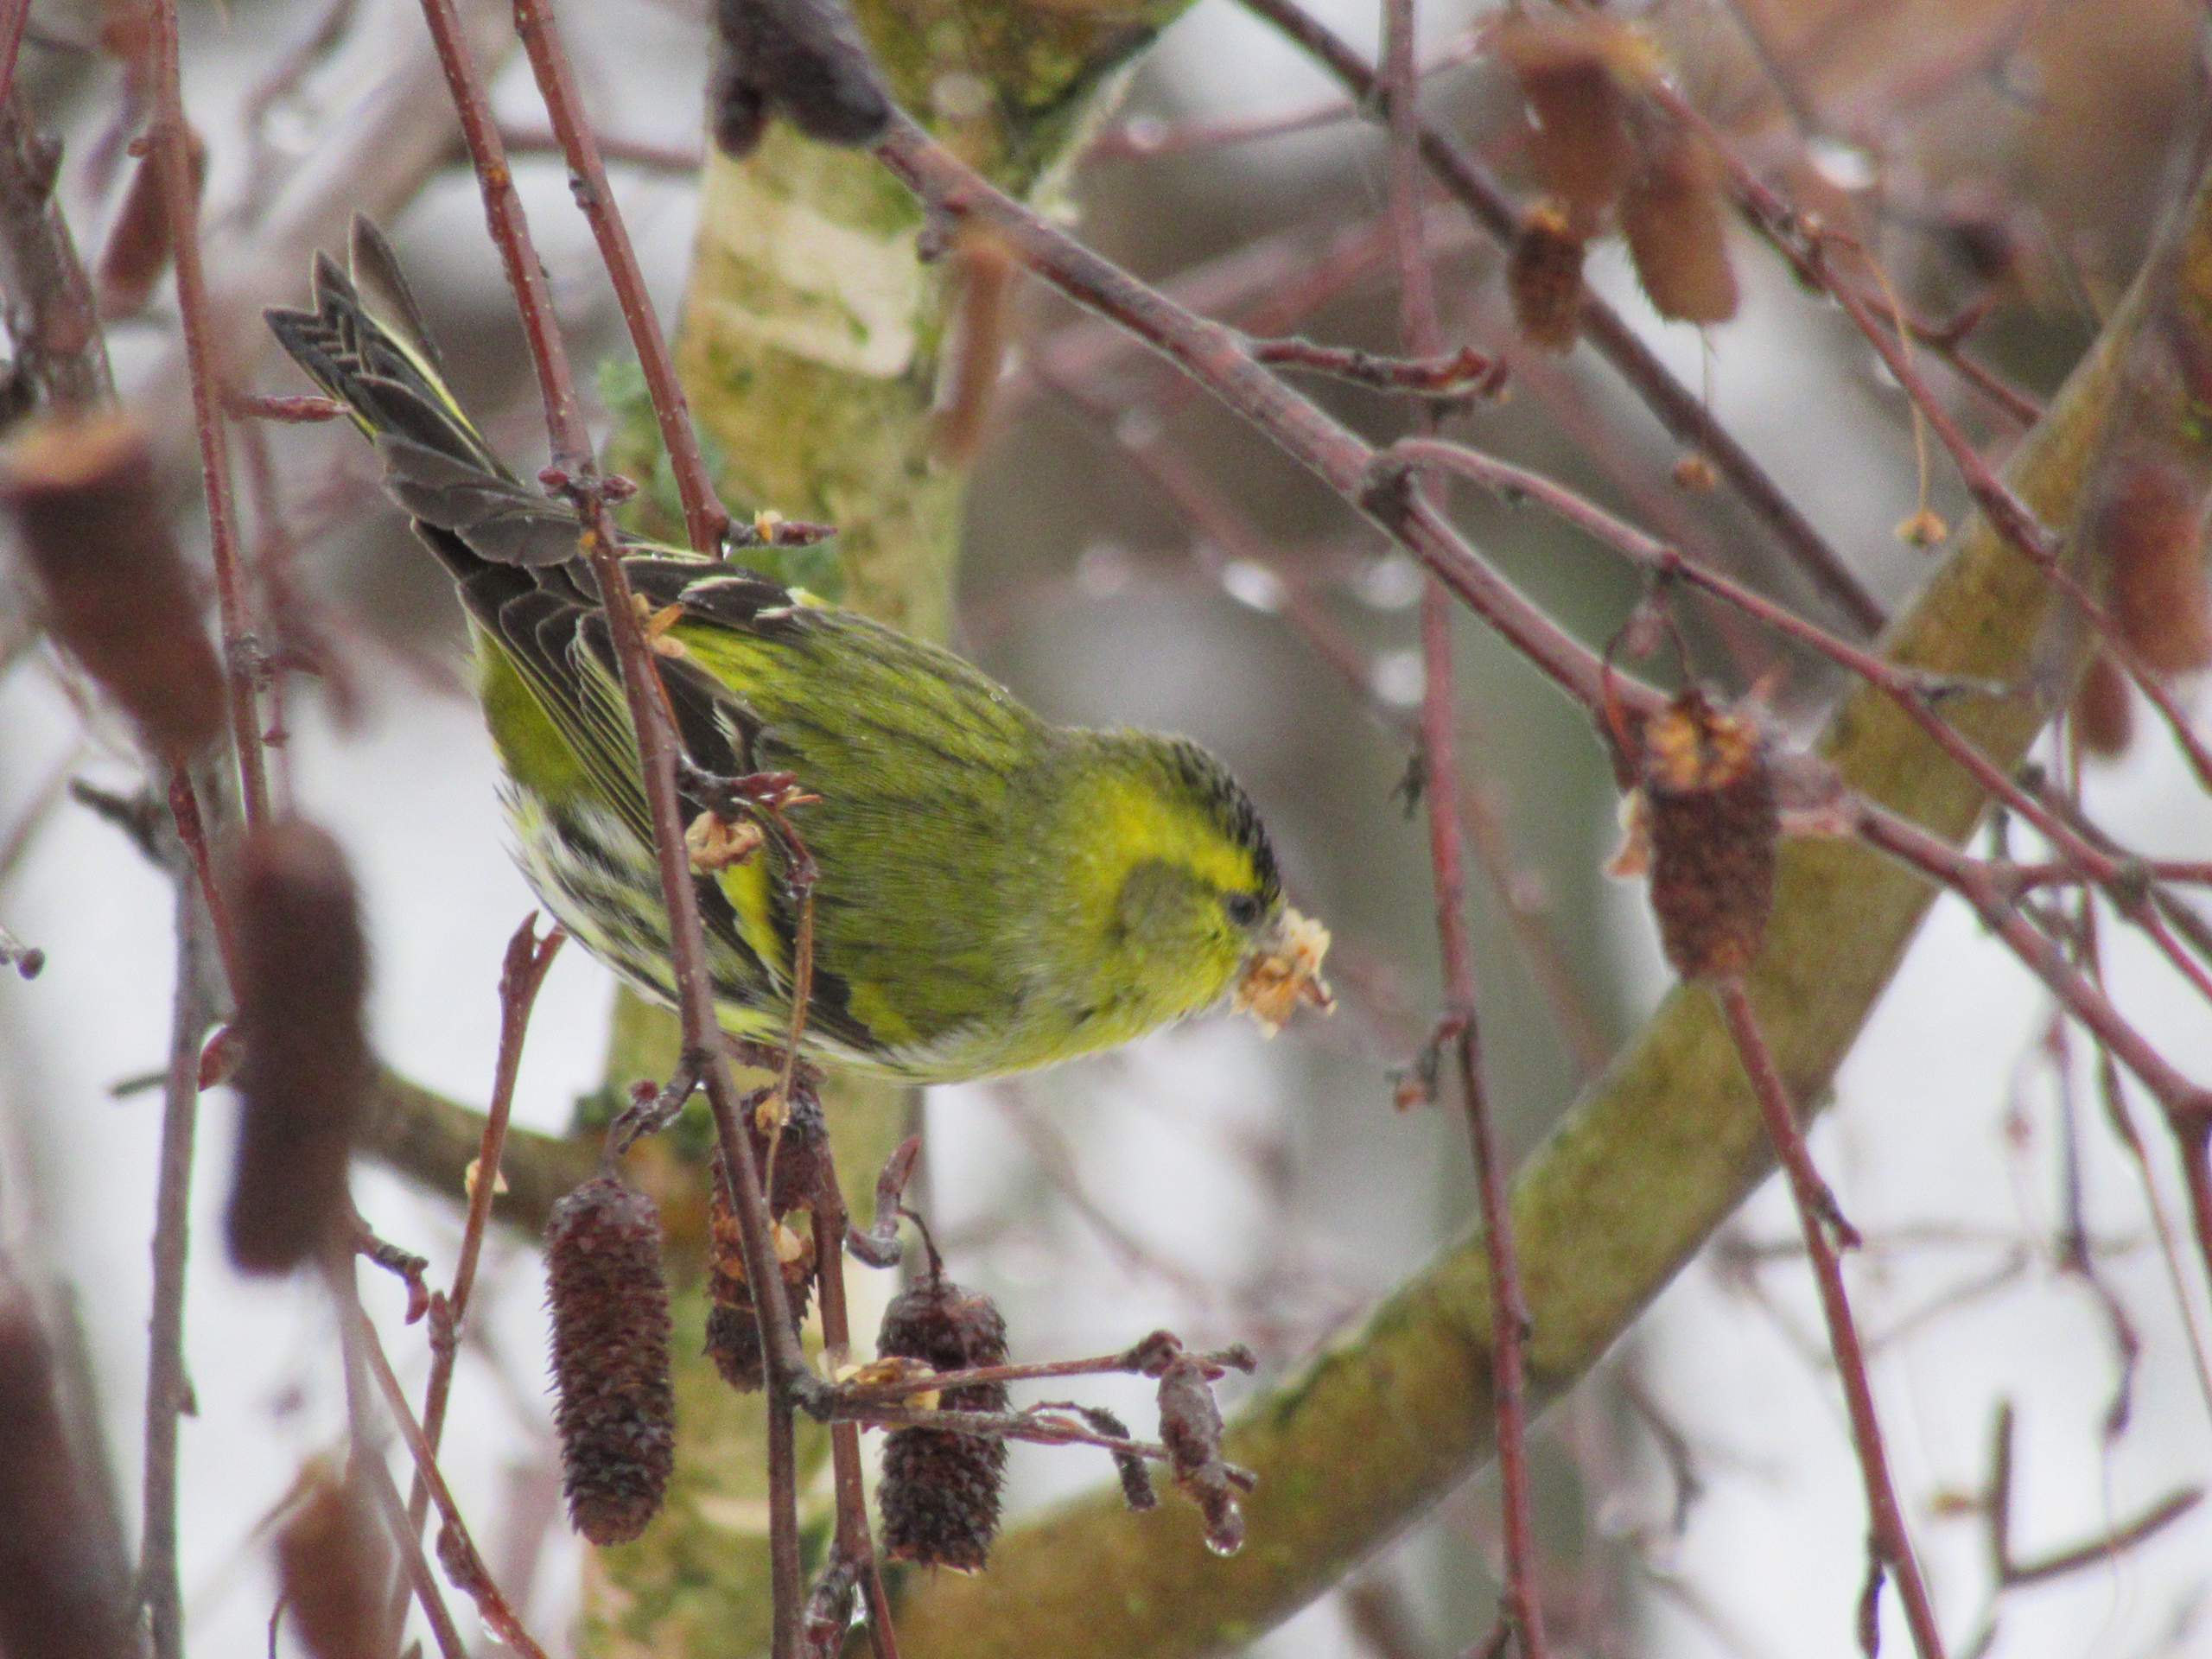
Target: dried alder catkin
column 939, row 1497
column 333, row 1564
column 64, row 1588
column 2148, row 524
column 304, row 1075
column 114, row 589
column 2104, row 708
column 1678, row 233
column 615, row 1412
column 1578, row 129
column 137, row 252
column 1543, row 275
column 1191, row 1428
column 1714, row 826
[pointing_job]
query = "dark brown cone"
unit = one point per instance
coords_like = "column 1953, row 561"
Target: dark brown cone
column 304, row 1075
column 332, row 1565
column 1715, row 827
column 1578, row 133
column 616, row 1409
column 1677, row 234
column 2104, row 709
column 1543, row 275
column 63, row 1591
column 794, row 1174
column 2148, row 524
column 940, row 1496
column 95, row 530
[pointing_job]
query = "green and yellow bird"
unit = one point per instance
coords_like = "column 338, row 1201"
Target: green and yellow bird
column 994, row 892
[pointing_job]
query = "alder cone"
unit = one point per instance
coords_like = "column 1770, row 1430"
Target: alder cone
column 64, row 1592
column 733, row 1317
column 304, row 1077
column 1578, row 134
column 2149, row 523
column 334, row 1563
column 1543, row 275
column 116, row 593
column 1715, row 832
column 2104, row 709
column 616, row 1409
column 940, row 1491
column 1678, row 234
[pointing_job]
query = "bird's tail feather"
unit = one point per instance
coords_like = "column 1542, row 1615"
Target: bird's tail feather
column 365, row 345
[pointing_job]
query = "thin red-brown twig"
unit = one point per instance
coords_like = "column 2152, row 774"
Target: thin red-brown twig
column 2023, row 878
column 862, row 1392
column 855, row 1543
column 704, row 1058
column 521, row 973
column 2187, row 1105
column 14, row 14
column 704, row 518
column 455, row 1547
column 2010, row 1571
column 1907, row 691
column 421, row 1582
column 1885, row 327
column 1678, row 408
column 1972, row 881
column 168, row 1387
column 1435, row 374
column 1460, row 1029
column 1219, row 360
column 167, row 135
column 184, row 812
column 683, row 159
column 1888, row 1540
column 1039, row 1426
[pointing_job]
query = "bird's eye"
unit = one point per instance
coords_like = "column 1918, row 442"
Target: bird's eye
column 1243, row 908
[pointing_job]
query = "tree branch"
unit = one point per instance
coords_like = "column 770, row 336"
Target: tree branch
column 1656, row 1154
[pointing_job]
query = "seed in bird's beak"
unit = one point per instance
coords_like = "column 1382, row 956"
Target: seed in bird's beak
column 1284, row 970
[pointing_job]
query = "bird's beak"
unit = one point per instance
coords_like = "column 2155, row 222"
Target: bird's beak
column 1283, row 970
